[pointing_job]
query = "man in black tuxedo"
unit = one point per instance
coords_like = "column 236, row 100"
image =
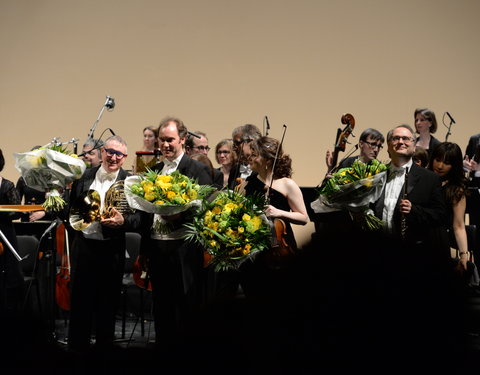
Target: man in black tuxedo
column 98, row 254
column 175, row 266
column 410, row 259
column 471, row 165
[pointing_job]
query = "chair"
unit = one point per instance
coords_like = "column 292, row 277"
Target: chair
column 133, row 250
column 28, row 250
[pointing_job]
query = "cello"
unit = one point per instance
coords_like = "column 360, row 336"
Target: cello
column 341, row 139
column 62, row 278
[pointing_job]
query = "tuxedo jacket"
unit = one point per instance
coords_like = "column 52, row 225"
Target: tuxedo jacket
column 428, row 211
column 473, row 143
column 473, row 199
column 83, row 184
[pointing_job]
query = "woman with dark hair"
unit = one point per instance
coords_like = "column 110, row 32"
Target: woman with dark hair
column 425, row 126
column 447, row 161
column 11, row 276
column 285, row 197
column 150, row 144
column 273, row 288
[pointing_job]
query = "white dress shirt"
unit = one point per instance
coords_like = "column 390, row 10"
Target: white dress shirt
column 393, row 189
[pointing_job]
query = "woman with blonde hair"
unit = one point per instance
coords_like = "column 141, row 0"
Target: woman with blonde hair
column 226, row 157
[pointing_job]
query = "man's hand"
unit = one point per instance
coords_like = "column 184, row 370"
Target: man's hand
column 115, row 219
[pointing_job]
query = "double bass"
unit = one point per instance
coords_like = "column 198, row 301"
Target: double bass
column 342, row 138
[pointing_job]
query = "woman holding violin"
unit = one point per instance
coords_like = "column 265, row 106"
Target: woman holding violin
column 271, row 281
column 283, row 194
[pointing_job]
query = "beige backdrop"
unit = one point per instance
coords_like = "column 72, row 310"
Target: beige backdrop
column 218, row 64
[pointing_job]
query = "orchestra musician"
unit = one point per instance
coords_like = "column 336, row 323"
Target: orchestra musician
column 98, row 255
column 271, row 284
column 173, row 264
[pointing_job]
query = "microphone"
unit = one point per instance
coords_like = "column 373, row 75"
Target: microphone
column 110, row 103
column 451, row 118
column 268, row 125
column 51, row 226
column 194, row 135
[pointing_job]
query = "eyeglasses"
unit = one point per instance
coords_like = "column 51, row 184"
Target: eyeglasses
column 404, row 138
column 373, row 145
column 202, row 148
column 110, row 152
column 226, row 152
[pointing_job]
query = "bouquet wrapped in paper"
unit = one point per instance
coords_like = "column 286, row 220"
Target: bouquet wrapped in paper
column 50, row 169
column 232, row 228
column 353, row 189
column 164, row 195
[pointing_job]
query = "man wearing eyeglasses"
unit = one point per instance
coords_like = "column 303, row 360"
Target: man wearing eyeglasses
column 92, row 153
column 194, row 145
column 98, row 254
column 411, row 257
column 199, row 146
column 370, row 144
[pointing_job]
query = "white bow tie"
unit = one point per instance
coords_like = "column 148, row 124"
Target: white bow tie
column 106, row 176
column 170, row 164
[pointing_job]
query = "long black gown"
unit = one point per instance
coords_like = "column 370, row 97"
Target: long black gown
column 11, row 276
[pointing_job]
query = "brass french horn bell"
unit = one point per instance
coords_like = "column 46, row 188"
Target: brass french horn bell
column 86, row 209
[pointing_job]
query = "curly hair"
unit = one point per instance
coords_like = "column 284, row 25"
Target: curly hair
column 450, row 153
column 267, row 147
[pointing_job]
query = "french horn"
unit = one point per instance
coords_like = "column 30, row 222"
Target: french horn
column 86, row 208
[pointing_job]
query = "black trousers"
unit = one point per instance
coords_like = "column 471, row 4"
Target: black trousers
column 175, row 268
column 97, row 271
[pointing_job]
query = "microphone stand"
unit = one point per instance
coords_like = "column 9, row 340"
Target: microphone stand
column 452, row 121
column 110, row 104
column 448, row 131
column 49, row 258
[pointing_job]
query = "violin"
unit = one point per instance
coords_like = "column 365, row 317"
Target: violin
column 141, row 277
column 280, row 253
column 62, row 278
column 342, row 136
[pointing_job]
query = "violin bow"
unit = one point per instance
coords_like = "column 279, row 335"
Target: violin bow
column 275, row 160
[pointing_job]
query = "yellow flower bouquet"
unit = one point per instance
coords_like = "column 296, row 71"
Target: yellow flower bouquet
column 232, row 228
column 50, row 168
column 353, row 189
column 164, row 195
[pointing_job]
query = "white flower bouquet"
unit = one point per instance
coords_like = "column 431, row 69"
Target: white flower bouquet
column 50, row 169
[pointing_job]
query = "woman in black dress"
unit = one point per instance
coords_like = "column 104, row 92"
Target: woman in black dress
column 274, row 286
column 11, row 276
